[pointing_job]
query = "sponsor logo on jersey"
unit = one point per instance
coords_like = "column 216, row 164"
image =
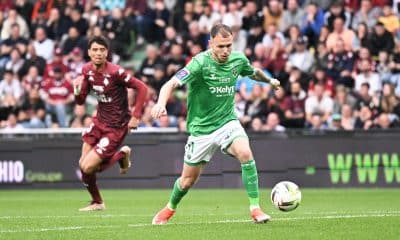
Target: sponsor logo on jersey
column 182, row 74
column 222, row 90
column 106, row 82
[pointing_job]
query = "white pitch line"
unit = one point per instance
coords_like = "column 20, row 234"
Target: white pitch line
column 69, row 228
column 83, row 215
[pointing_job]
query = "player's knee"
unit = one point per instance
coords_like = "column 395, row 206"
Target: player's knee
column 86, row 168
column 187, row 182
column 244, row 154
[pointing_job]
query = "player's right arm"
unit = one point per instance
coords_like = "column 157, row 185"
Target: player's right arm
column 81, row 89
column 183, row 76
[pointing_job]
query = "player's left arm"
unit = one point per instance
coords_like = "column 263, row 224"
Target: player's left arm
column 260, row 76
column 141, row 93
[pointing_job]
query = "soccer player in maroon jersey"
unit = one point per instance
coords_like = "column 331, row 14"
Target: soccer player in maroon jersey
column 113, row 120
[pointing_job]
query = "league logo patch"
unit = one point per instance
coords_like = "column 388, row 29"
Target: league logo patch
column 182, row 74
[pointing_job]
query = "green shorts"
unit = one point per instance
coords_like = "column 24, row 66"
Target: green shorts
column 200, row 149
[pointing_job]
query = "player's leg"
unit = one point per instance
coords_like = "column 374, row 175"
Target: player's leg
column 189, row 176
column 198, row 151
column 111, row 152
column 240, row 149
column 234, row 141
column 89, row 164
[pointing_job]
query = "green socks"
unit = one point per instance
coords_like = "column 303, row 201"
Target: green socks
column 176, row 195
column 250, row 182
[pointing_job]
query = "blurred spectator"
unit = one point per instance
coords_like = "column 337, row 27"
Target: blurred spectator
column 118, row 30
column 57, row 93
column 208, row 19
column 15, row 62
column 367, row 14
column 78, row 117
column 239, row 39
column 6, row 5
column 340, row 33
column 15, row 41
column 32, row 80
column 256, row 106
column 245, row 85
column 256, row 125
column 25, row 9
column 32, row 59
column 12, row 124
column 11, row 94
column 341, row 98
column 233, row 18
column 362, row 38
column 271, row 33
column 34, row 108
column 302, row 57
column 146, row 70
column 56, row 25
column 364, row 98
column 273, row 12
column 276, row 59
column 348, row 120
column 395, row 69
column 158, row 21
column 293, row 33
column 383, row 66
column 195, row 37
column 335, row 122
column 337, row 10
column 12, row 19
column 382, row 121
column 44, row 46
column 367, row 76
column 294, row 108
column 389, row 20
column 273, row 123
column 323, row 4
column 312, row 22
column 293, row 15
column 381, row 40
column 75, row 63
column 252, row 17
column 340, row 65
column 321, row 57
column 73, row 40
column 319, row 104
column 254, row 37
column 76, row 20
column 317, row 124
column 389, row 103
column 171, row 38
column 158, row 79
column 57, row 62
column 175, row 60
column 320, row 77
column 364, row 120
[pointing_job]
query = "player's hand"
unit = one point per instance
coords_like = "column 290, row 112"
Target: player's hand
column 157, row 111
column 275, row 83
column 133, row 123
column 77, row 84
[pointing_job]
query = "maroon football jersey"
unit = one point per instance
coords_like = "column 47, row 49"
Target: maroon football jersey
column 109, row 84
column 57, row 90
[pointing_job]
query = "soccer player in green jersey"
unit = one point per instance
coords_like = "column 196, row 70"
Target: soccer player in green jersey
column 211, row 121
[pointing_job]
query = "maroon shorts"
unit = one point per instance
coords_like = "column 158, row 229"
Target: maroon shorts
column 105, row 140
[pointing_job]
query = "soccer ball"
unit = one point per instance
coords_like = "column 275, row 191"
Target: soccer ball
column 286, row 196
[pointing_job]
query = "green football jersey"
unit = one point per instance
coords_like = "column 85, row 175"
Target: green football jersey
column 211, row 90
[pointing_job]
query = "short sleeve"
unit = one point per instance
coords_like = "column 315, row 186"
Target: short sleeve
column 247, row 69
column 189, row 72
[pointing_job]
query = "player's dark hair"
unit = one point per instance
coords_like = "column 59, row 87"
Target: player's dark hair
column 99, row 40
column 220, row 29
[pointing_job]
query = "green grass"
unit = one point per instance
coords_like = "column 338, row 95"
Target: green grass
column 203, row 214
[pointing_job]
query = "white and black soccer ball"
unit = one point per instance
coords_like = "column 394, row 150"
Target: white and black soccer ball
column 286, row 196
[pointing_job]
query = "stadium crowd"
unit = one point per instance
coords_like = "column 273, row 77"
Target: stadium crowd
column 338, row 61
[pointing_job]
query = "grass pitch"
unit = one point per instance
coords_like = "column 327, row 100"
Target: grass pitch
column 203, row 214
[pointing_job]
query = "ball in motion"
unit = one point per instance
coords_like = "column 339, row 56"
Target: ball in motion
column 286, row 196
